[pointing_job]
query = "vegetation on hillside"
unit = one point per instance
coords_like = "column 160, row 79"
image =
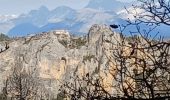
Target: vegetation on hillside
column 3, row 37
column 74, row 42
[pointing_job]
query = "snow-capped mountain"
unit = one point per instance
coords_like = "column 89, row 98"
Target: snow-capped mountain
column 5, row 18
column 106, row 5
column 63, row 17
column 5, row 22
column 37, row 17
column 63, row 12
column 75, row 21
column 43, row 20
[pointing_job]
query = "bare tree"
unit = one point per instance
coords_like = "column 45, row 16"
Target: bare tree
column 86, row 87
column 152, row 11
column 145, row 73
column 141, row 62
column 22, row 84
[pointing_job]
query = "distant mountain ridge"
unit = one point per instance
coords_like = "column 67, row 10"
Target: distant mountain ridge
column 60, row 18
column 75, row 21
column 23, row 29
column 106, row 5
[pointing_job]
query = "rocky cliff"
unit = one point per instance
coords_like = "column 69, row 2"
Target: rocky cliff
column 55, row 56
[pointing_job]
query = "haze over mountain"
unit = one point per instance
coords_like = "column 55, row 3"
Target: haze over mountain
column 63, row 17
column 112, row 5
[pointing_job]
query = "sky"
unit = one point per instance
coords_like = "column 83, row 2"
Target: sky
column 16, row 7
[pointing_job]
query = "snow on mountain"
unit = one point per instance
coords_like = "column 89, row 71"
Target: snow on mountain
column 91, row 16
column 131, row 11
column 78, row 21
column 63, row 12
column 6, row 23
column 5, row 18
column 37, row 20
column 106, row 5
column 63, row 17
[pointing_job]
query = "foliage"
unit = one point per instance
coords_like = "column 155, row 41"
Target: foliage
column 74, row 42
column 77, row 42
column 61, row 96
column 3, row 97
column 3, row 37
column 88, row 57
column 22, row 84
column 64, row 42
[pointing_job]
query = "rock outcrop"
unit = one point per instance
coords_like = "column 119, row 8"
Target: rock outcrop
column 54, row 62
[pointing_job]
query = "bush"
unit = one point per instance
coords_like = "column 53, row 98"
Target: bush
column 88, row 57
column 63, row 42
column 78, row 42
column 3, row 37
column 3, row 97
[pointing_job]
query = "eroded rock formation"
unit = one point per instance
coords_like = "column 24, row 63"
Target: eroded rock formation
column 54, row 62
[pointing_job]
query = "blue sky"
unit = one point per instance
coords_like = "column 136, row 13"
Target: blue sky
column 8, row 7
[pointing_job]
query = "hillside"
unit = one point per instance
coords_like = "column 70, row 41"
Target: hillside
column 55, row 56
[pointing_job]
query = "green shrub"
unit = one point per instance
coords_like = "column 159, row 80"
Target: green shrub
column 3, row 37
column 77, row 43
column 64, row 43
column 88, row 57
column 3, row 97
column 60, row 96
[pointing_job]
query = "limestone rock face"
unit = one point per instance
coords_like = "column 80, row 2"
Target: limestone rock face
column 53, row 62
